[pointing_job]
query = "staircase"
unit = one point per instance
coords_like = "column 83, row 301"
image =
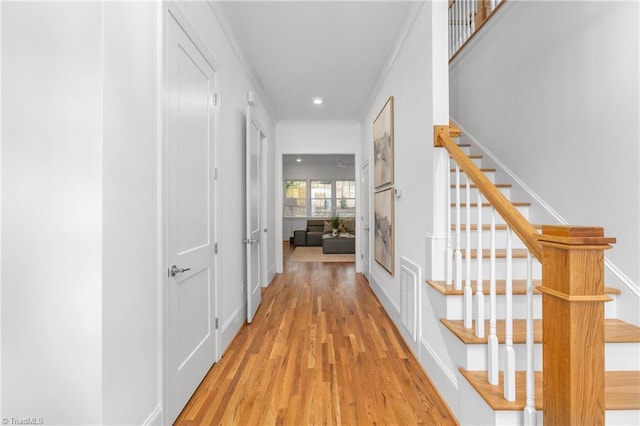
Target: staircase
column 481, row 402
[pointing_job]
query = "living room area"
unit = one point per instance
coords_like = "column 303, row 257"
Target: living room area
column 319, row 206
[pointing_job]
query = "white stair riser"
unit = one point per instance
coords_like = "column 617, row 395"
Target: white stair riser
column 475, row 357
column 452, row 306
column 622, row 417
column 518, row 269
column 486, row 214
column 618, row 356
column 455, row 309
column 476, row 161
column 463, row 177
column 474, row 193
column 501, row 239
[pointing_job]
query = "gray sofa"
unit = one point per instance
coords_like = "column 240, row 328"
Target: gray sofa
column 312, row 235
column 315, row 229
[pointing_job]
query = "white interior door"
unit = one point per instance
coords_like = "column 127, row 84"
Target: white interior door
column 364, row 218
column 252, row 192
column 189, row 166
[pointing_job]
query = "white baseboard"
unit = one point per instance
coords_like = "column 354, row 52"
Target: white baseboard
column 271, row 272
column 445, row 380
column 155, row 418
column 231, row 327
column 385, row 299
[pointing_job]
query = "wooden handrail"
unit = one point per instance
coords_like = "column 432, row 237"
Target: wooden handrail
column 511, row 215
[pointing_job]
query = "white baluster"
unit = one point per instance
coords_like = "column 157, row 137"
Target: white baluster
column 492, row 350
column 474, row 9
column 459, row 20
column 510, row 356
column 458, row 251
column 448, row 278
column 457, row 26
column 493, row 4
column 468, row 294
column 530, row 408
column 450, row 32
column 479, row 293
column 467, row 7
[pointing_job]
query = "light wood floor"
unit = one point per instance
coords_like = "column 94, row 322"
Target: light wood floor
column 321, row 350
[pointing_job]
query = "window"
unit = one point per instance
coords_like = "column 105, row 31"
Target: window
column 321, row 198
column 295, row 202
column 346, row 198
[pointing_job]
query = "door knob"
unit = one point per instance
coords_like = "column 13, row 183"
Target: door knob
column 249, row 241
column 175, row 270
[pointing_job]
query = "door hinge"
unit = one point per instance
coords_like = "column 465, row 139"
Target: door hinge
column 216, row 323
column 215, row 173
column 215, row 248
column 214, row 99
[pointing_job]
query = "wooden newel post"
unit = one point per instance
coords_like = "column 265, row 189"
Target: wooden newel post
column 573, row 324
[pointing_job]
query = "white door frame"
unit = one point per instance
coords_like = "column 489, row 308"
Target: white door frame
column 253, row 118
column 168, row 11
column 365, row 197
column 264, row 219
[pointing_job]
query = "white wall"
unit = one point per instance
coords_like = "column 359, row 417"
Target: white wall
column 130, row 270
column 560, row 107
column 318, row 171
column 312, row 137
column 415, row 80
column 52, row 212
column 234, row 84
column 80, row 180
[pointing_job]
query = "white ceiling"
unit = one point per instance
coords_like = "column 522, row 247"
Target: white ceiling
column 336, row 50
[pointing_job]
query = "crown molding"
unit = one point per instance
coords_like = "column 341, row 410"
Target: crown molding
column 220, row 13
column 412, row 11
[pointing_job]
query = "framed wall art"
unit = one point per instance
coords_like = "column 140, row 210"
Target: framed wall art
column 384, row 251
column 383, row 146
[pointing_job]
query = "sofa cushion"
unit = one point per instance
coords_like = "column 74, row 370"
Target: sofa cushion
column 327, row 227
column 315, row 225
column 349, row 225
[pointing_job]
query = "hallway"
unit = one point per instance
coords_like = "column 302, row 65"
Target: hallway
column 321, row 350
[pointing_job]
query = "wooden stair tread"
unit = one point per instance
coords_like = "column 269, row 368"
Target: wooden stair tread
column 515, row 203
column 519, row 287
column 486, row 227
column 615, row 331
column 497, row 185
column 621, row 390
column 482, row 170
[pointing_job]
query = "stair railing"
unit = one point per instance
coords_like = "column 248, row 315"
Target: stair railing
column 466, row 17
column 558, row 249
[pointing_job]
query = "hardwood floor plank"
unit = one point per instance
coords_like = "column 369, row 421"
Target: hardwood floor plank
column 321, row 350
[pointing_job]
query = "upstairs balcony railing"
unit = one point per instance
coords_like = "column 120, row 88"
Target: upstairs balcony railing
column 573, row 295
column 466, row 17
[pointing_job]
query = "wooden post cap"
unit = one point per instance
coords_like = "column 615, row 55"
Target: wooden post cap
column 574, row 235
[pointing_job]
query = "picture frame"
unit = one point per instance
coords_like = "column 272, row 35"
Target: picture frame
column 384, row 229
column 383, row 146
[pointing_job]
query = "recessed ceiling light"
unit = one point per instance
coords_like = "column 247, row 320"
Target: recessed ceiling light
column 299, row 160
column 317, row 101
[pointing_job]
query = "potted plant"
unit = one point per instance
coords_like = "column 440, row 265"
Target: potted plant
column 334, row 220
